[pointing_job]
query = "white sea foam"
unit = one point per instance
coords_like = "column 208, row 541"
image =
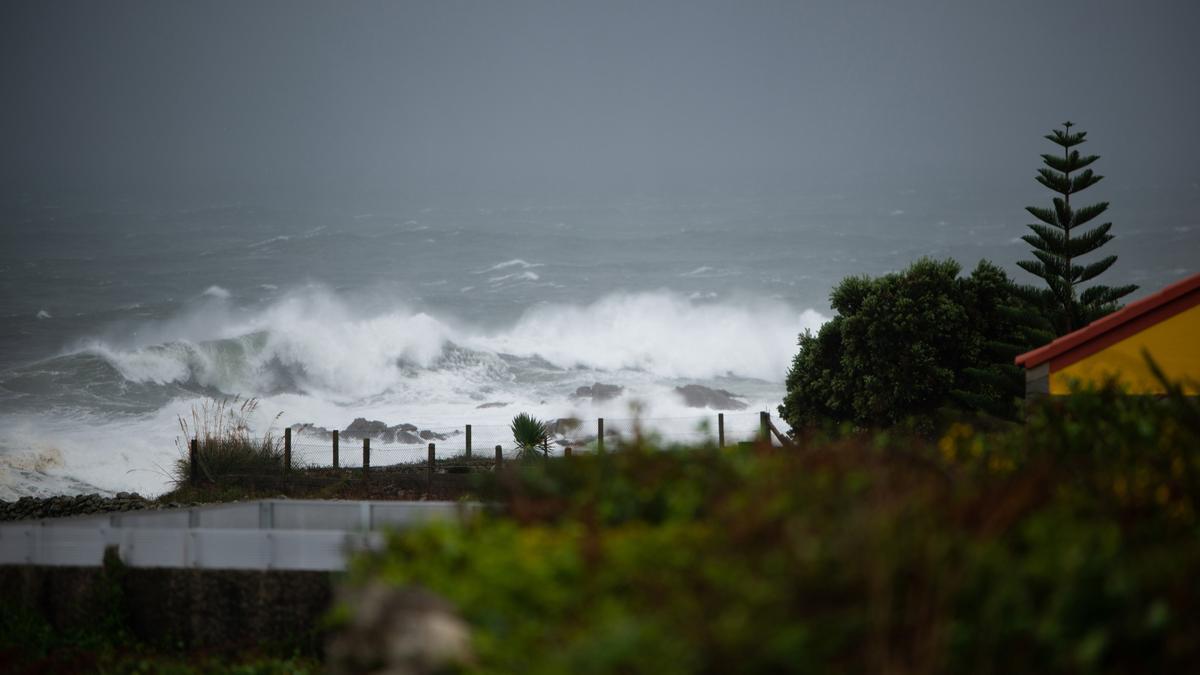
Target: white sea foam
column 315, row 341
column 516, row 276
column 662, row 333
column 216, row 292
column 516, row 262
column 43, row 314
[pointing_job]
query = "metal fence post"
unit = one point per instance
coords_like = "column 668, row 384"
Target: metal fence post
column 335, row 448
column 720, row 430
column 194, row 462
column 600, row 434
column 567, row 451
column 468, row 451
column 499, row 457
column 429, row 468
column 287, row 449
column 764, row 426
column 366, row 459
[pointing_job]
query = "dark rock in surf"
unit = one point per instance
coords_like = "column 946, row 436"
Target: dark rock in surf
column 699, row 396
column 312, row 430
column 496, row 404
column 361, row 428
column 599, row 392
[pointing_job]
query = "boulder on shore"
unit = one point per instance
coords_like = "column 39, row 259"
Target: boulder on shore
column 699, row 396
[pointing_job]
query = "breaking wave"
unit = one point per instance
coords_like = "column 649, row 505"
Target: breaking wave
column 315, row 342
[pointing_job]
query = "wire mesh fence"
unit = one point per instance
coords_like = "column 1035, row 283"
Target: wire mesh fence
column 436, row 460
column 316, row 447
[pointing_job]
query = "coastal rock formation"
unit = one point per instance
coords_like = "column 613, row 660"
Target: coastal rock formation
column 494, row 404
column 404, row 434
column 361, row 428
column 699, row 396
column 599, row 392
column 307, row 429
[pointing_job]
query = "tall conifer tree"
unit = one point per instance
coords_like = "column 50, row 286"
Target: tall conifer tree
column 1059, row 240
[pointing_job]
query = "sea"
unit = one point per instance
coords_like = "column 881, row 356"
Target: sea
column 119, row 318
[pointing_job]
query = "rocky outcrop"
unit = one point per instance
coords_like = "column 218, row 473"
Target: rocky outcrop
column 494, row 404
column 362, row 428
column 404, row 434
column 699, row 396
column 599, row 392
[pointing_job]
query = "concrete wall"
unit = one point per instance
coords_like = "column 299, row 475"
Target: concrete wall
column 223, row 610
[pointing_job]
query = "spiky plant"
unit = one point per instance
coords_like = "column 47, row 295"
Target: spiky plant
column 1059, row 240
column 530, row 435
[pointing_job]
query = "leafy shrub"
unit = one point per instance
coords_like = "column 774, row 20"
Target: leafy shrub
column 903, row 346
column 1068, row 545
column 227, row 452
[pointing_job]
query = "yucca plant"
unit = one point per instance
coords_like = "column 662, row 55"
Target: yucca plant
column 531, row 435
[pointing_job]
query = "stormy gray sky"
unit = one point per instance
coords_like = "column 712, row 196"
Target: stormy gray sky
column 540, row 96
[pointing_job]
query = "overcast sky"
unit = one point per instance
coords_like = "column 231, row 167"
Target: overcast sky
column 607, row 95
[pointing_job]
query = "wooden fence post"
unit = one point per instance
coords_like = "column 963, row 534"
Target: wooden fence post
column 287, row 449
column 567, row 451
column 194, row 462
column 468, row 452
column 764, row 427
column 600, row 434
column 499, row 458
column 429, row 469
column 720, row 430
column 335, row 448
column 366, row 459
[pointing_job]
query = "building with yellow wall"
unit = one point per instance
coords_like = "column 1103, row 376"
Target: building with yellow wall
column 1166, row 325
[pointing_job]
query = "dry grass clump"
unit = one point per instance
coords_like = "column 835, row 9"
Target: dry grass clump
column 228, row 452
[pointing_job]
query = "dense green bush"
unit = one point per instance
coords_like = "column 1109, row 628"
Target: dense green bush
column 904, row 346
column 1068, row 545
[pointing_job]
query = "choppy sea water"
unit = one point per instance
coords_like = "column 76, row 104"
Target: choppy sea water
column 118, row 320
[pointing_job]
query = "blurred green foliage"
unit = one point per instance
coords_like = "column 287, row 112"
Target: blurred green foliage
column 1067, row 545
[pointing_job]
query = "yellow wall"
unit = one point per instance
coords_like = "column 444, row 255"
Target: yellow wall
column 1174, row 344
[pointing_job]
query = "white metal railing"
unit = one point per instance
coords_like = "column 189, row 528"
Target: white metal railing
column 263, row 535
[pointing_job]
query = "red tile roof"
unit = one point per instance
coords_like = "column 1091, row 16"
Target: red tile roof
column 1111, row 322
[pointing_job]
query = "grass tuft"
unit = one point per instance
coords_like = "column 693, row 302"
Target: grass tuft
column 228, row 453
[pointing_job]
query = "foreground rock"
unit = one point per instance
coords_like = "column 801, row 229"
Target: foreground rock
column 29, row 508
column 699, row 396
column 398, row 631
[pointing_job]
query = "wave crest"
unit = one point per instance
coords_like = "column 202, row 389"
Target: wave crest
column 313, row 342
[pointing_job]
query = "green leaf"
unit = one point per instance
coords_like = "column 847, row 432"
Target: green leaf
column 1087, row 213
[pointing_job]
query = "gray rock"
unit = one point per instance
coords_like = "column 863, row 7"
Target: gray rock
column 699, row 396
column 599, row 392
column 362, row 428
column 398, row 631
column 494, row 404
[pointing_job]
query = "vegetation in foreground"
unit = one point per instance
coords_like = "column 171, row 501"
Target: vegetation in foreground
column 28, row 644
column 1068, row 545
